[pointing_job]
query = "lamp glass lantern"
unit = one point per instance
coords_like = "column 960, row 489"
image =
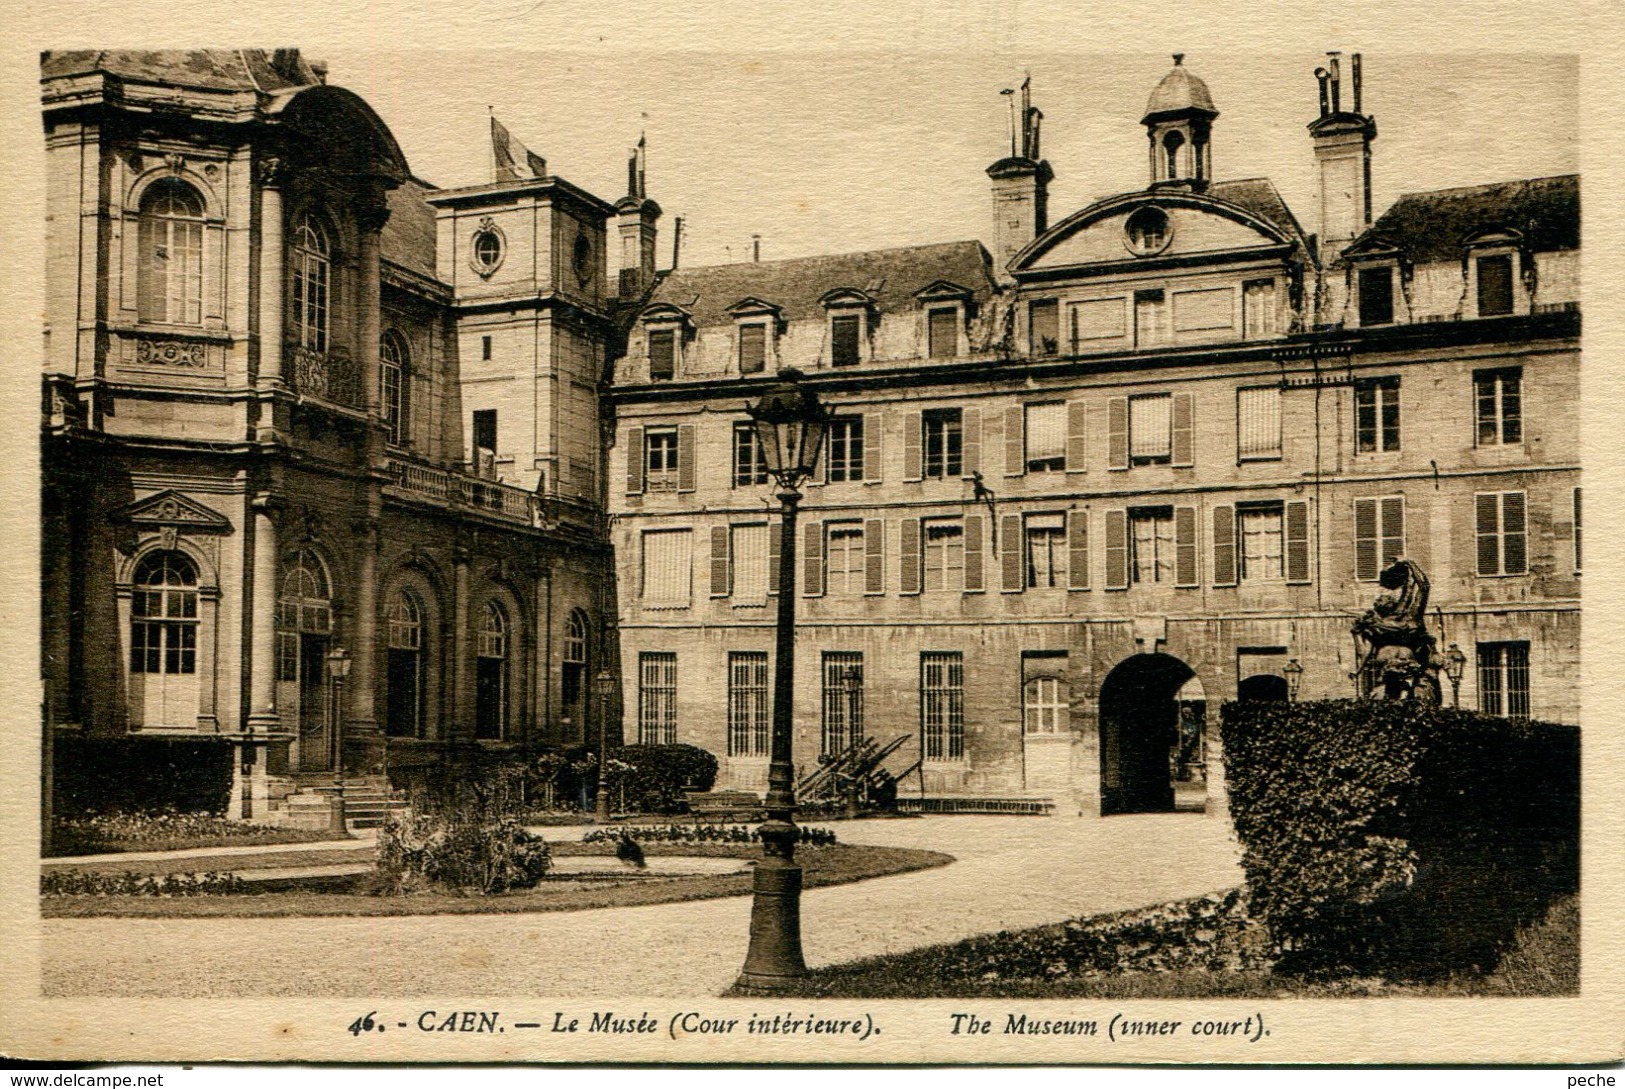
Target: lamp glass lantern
column 1294, row 677
column 791, row 425
column 338, row 664
column 1455, row 664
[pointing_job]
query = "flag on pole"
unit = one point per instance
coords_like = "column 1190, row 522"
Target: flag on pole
column 508, row 154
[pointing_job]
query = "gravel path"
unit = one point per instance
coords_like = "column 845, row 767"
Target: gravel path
column 1011, row 872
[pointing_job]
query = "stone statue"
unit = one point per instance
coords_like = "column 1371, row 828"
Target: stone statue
column 1392, row 636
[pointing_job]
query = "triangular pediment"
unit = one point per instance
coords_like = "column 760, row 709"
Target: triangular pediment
column 1193, row 228
column 846, row 296
column 171, row 508
column 752, row 305
column 664, row 312
column 939, row 290
column 1371, row 246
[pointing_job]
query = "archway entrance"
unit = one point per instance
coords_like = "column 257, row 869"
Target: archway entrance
column 1262, row 686
column 1140, row 749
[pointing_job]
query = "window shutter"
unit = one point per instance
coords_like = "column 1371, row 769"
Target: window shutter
column 874, row 431
column 973, row 554
column 149, row 270
column 1184, row 430
column 1224, row 545
column 1365, row 539
column 1116, row 549
column 1077, row 450
column 970, row 442
column 812, row 559
column 775, row 533
column 1077, row 530
column 634, row 461
column 1015, row 443
column 1393, row 530
column 1185, row 571
column 1514, row 550
column 1489, row 538
column 1117, row 434
column 912, row 424
column 909, row 558
column 1297, row 540
column 874, row 556
column 1012, row 549
column 685, row 457
column 821, row 466
column 720, row 561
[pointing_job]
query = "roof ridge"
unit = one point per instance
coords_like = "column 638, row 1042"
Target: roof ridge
column 827, row 256
column 1486, row 185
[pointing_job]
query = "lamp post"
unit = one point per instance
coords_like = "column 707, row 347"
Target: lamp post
column 852, row 679
column 1294, row 677
column 1454, row 663
column 338, row 668
column 791, row 424
column 605, row 683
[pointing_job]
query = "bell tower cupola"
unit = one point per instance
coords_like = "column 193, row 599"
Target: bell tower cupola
column 1179, row 123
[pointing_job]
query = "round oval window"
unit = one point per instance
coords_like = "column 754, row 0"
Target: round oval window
column 1148, row 231
column 487, row 250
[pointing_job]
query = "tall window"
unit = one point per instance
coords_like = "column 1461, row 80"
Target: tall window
column 942, row 705
column 1379, row 535
column 662, row 354
column 312, row 283
column 752, row 348
column 1494, row 285
column 1150, row 428
column 657, row 698
column 750, row 461
column 1258, row 308
column 1043, row 327
column 1376, row 415
column 1503, row 679
column 1503, row 534
column 660, row 459
column 844, row 553
column 1258, row 423
column 749, row 547
column 404, row 712
column 1045, row 695
column 170, row 276
column 573, row 687
column 394, row 387
column 944, row 554
column 1499, row 399
column 747, row 703
column 1150, row 318
column 1262, row 542
column 304, row 609
column 942, row 332
column 1046, row 550
column 1046, row 436
column 491, row 675
column 845, row 449
column 843, row 700
column 164, row 615
column 1151, row 544
column 1376, row 295
column 944, row 443
column 845, row 339
column 484, row 427
column 1577, row 567
column 666, row 568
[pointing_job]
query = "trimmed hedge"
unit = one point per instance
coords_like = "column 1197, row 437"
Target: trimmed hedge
column 140, row 775
column 1396, row 837
column 658, row 775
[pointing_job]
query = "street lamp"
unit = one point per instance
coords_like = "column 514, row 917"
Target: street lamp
column 1454, row 663
column 790, row 424
column 338, row 668
column 1294, row 677
column 605, row 683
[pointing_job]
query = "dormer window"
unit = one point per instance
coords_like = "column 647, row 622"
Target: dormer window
column 942, row 332
column 756, row 328
column 752, row 348
column 1043, row 327
column 845, row 339
column 947, row 308
column 1494, row 285
column 662, row 354
column 1376, row 287
column 665, row 327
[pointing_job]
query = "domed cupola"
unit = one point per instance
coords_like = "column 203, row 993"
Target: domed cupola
column 1179, row 122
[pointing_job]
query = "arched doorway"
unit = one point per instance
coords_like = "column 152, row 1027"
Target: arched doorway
column 1140, row 733
column 1262, row 686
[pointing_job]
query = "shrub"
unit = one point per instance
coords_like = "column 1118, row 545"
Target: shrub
column 442, row 851
column 656, row 776
column 702, row 833
column 1398, row 837
column 130, row 883
column 97, row 775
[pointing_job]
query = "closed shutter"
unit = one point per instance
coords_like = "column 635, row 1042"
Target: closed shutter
column 775, row 533
column 970, row 443
column 1297, row 540
column 874, row 431
column 1012, row 548
column 634, row 461
column 1015, row 443
column 909, row 557
column 1365, row 539
column 1184, row 429
column 812, row 559
column 1224, row 545
column 1393, row 530
column 1077, row 450
column 1116, row 550
column 1117, row 433
column 685, row 458
column 1488, row 517
column 874, row 556
column 820, row 464
column 1514, row 548
column 1077, row 532
column 911, row 445
column 973, row 553
column 720, row 561
column 1185, row 570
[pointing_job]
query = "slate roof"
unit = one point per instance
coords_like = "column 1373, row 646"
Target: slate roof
column 1431, row 227
column 1260, row 197
column 409, row 234
column 207, row 69
column 891, row 277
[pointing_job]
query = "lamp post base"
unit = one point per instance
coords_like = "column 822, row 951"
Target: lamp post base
column 774, row 963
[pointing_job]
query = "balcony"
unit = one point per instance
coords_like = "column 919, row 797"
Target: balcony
column 330, row 376
column 463, row 493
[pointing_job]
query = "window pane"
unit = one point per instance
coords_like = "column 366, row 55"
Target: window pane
column 747, row 704
column 1043, row 326
column 1258, row 422
column 749, row 564
column 1494, row 285
column 752, row 348
column 844, row 552
column 944, row 333
column 657, row 698
column 1150, row 426
column 844, row 333
column 944, row 554
column 943, row 442
column 662, row 355
column 1261, row 544
column 1258, row 308
column 846, row 449
column 843, row 700
column 1376, row 296
column 666, row 556
column 1046, row 436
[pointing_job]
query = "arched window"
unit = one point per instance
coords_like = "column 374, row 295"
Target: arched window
column 394, row 387
column 164, row 615
column 312, row 260
column 406, row 674
column 305, row 605
column 170, row 278
column 1044, row 705
column 1171, row 145
column 574, row 686
column 304, row 625
column 491, row 675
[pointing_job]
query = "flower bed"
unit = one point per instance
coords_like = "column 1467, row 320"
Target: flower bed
column 130, row 883
column 701, row 833
column 168, row 830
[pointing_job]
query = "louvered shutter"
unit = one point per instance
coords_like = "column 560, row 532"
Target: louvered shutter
column 812, row 559
column 1393, row 530
column 821, row 465
column 775, row 534
column 1184, row 429
column 720, row 561
column 1224, row 545
column 874, row 434
column 973, row 553
column 1366, row 541
column 1297, row 540
column 874, row 556
column 1015, row 442
column 911, row 445
column 1514, row 547
column 970, row 443
column 685, row 457
column 1117, row 433
column 634, row 461
column 1185, row 570
column 1077, row 532
column 909, row 557
column 1077, row 449
column 1116, row 550
column 1012, row 548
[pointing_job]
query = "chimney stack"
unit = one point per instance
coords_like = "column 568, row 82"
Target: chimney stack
column 1020, row 185
column 1342, row 158
column 636, row 216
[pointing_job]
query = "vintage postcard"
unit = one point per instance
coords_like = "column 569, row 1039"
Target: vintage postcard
column 584, row 538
